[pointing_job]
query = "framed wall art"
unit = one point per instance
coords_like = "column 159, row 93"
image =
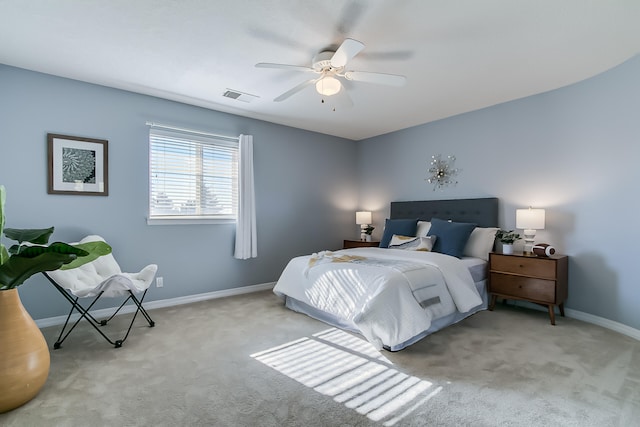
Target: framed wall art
column 77, row 165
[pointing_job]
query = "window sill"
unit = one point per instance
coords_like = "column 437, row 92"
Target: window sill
column 189, row 221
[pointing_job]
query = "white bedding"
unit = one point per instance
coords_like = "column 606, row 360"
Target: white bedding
column 391, row 297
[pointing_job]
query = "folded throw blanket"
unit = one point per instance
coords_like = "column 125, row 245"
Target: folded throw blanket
column 329, row 256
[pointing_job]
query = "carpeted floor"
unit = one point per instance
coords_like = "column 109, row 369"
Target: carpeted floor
column 248, row 361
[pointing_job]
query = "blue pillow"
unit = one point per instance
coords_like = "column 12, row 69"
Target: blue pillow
column 403, row 227
column 451, row 236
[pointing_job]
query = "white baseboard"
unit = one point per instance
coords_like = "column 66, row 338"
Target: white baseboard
column 605, row 323
column 106, row 312
column 589, row 318
column 59, row 320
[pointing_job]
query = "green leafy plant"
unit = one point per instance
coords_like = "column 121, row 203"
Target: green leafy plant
column 507, row 236
column 369, row 229
column 34, row 255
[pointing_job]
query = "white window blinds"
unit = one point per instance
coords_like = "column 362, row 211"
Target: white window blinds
column 192, row 175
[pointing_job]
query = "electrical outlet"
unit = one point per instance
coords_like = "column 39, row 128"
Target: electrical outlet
column 159, row 282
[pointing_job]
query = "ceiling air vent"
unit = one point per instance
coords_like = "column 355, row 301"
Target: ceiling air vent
column 239, row 96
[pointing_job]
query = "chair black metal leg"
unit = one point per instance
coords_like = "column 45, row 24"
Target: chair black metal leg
column 66, row 322
column 104, row 322
column 84, row 314
column 141, row 308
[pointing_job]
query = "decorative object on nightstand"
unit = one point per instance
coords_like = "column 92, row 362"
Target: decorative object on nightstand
column 367, row 232
column 507, row 238
column 529, row 220
column 538, row 280
column 348, row 244
column 364, row 219
column 443, row 172
column 544, row 250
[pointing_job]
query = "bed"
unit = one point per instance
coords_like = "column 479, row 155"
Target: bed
column 430, row 272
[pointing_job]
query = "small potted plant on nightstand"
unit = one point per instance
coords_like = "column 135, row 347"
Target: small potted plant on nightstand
column 507, row 238
column 367, row 231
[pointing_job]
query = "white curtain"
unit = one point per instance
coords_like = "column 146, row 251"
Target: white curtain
column 246, row 236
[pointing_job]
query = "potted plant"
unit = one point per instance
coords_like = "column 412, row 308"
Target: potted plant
column 24, row 355
column 507, row 238
column 367, row 231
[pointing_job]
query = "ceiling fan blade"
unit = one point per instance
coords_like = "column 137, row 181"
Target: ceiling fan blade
column 283, row 66
column 345, row 53
column 350, row 15
column 379, row 78
column 295, row 89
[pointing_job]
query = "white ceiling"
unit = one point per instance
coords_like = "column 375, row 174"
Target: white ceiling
column 458, row 55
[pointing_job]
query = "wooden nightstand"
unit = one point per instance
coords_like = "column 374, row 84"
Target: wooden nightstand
column 359, row 244
column 530, row 278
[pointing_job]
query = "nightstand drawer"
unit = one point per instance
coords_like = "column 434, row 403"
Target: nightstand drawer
column 533, row 267
column 523, row 288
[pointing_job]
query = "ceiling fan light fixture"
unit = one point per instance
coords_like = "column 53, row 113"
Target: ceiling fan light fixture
column 328, row 86
column 329, row 64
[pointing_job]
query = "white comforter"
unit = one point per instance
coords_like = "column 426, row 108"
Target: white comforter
column 376, row 296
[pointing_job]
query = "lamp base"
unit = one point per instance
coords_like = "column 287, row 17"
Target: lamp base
column 363, row 235
column 529, row 237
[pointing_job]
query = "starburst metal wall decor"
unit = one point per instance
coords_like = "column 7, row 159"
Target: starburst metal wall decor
column 443, row 172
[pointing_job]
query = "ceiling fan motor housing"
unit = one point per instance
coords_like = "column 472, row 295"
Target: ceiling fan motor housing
column 322, row 61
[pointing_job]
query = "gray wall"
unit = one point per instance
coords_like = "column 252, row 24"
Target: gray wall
column 573, row 151
column 306, row 191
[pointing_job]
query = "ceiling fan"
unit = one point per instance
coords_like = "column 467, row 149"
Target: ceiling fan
column 330, row 64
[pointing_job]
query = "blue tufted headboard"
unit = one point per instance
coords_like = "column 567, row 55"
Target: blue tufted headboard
column 483, row 212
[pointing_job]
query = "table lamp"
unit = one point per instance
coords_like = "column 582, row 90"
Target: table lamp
column 529, row 220
column 364, row 219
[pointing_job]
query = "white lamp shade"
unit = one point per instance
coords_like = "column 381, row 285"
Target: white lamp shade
column 530, row 219
column 363, row 217
column 328, row 86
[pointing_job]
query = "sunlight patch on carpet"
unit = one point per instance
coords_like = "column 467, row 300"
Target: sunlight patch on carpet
column 351, row 371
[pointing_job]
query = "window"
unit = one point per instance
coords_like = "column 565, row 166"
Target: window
column 192, row 176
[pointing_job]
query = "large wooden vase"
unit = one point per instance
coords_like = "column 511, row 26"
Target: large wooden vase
column 24, row 355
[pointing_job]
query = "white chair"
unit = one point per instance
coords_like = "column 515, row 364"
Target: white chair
column 101, row 278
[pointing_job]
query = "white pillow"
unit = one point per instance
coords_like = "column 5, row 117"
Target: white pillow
column 480, row 242
column 410, row 243
column 423, row 228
